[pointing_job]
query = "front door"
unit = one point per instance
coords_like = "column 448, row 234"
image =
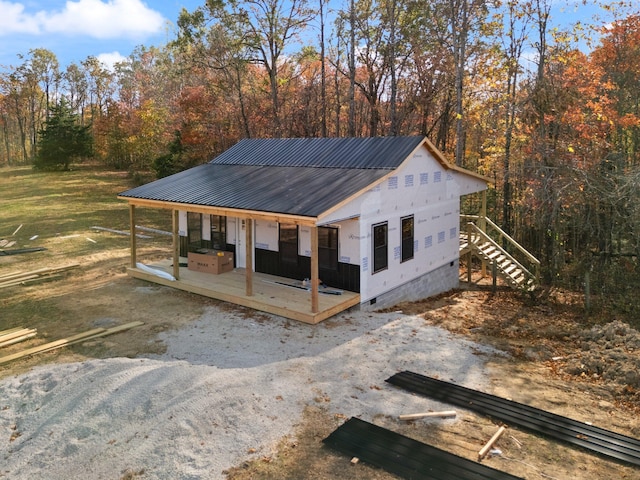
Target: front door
column 241, row 239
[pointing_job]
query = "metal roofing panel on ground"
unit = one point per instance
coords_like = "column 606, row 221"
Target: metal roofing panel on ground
column 404, row 456
column 347, row 153
column 611, row 444
column 300, row 191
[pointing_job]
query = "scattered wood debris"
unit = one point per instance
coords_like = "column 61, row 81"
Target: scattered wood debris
column 64, row 342
column 484, row 450
column 34, row 276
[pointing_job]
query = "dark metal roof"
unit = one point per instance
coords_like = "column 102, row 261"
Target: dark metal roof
column 371, row 152
column 291, row 190
column 302, row 176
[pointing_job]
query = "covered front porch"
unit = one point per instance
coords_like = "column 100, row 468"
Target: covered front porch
column 275, row 295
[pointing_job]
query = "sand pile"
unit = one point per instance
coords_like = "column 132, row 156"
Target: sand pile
column 228, row 389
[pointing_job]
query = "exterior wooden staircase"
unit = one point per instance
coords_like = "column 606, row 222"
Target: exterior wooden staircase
column 481, row 237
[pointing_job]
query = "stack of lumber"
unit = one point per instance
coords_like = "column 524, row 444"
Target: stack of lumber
column 64, row 342
column 25, row 278
column 16, row 335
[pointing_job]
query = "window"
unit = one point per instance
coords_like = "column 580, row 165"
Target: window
column 194, row 230
column 288, row 243
column 218, row 232
column 407, row 238
column 380, row 246
column 328, row 248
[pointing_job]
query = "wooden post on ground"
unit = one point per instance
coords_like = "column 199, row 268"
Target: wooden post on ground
column 315, row 271
column 484, row 450
column 176, row 244
column 249, row 257
column 132, row 229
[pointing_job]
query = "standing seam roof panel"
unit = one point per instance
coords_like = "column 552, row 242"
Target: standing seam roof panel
column 347, row 153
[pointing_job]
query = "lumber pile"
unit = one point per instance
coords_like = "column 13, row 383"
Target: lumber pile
column 65, row 342
column 34, row 276
column 16, row 335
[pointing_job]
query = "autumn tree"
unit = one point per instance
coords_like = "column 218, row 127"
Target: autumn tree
column 265, row 28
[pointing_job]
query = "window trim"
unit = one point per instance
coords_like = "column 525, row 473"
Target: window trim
column 376, row 250
column 407, row 250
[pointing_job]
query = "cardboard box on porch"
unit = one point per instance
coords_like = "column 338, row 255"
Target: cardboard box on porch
column 210, row 261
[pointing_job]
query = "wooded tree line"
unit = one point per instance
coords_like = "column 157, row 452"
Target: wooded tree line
column 497, row 86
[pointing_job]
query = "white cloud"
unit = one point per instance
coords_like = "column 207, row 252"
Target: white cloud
column 93, row 18
column 14, row 20
column 110, row 59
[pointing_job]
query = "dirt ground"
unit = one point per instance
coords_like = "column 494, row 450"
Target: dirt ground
column 558, row 360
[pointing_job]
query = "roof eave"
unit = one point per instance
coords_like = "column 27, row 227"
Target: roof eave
column 452, row 166
column 223, row 211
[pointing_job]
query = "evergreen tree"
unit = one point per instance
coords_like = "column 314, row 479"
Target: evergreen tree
column 172, row 162
column 62, row 139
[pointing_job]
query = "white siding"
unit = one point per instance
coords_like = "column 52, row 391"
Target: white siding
column 421, row 187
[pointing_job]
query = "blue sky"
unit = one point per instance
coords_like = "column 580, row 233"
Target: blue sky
column 111, row 29
column 76, row 29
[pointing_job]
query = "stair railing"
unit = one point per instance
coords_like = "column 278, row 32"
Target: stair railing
column 481, row 226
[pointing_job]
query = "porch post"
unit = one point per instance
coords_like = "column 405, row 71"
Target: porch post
column 176, row 244
column 132, row 230
column 248, row 271
column 314, row 269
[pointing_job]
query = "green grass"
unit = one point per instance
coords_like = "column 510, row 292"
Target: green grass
column 57, row 205
column 60, row 208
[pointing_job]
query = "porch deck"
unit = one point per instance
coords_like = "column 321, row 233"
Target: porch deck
column 268, row 295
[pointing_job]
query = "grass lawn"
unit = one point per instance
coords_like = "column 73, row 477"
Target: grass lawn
column 57, row 210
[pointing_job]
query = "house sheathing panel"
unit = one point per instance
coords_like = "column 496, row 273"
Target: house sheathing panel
column 421, row 187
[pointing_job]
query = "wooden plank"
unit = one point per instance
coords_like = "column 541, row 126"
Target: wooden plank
column 10, row 275
column 18, row 339
column 49, row 346
column 10, row 330
column 14, row 276
column 415, row 416
column 17, row 332
column 17, row 281
column 484, row 450
column 108, row 331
